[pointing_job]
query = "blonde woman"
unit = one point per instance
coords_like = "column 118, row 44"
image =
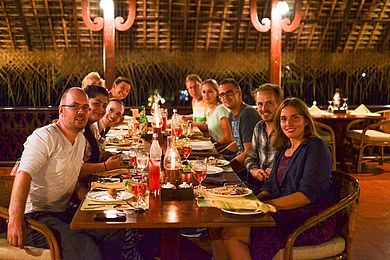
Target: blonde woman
column 217, row 115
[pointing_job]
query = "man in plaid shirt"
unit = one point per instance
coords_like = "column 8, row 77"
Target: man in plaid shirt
column 259, row 159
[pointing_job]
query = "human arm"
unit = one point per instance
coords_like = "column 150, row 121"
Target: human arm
column 260, row 174
column 241, row 157
column 113, row 162
column 16, row 225
column 292, row 201
column 227, row 132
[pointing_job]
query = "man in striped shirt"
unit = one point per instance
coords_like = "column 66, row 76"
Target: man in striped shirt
column 259, row 159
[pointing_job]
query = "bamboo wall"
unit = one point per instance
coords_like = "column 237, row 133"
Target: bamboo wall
column 38, row 78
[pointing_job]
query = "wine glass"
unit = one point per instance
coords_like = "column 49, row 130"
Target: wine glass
column 199, row 170
column 139, row 188
column 345, row 105
column 187, row 128
column 187, row 149
column 142, row 161
column 177, row 131
column 330, row 107
column 132, row 159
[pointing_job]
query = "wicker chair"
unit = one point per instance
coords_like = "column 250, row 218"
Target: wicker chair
column 9, row 252
column 373, row 135
column 345, row 208
column 327, row 134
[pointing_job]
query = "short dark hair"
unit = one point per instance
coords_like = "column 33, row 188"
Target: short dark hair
column 119, row 80
column 194, row 77
column 268, row 87
column 95, row 90
column 230, row 81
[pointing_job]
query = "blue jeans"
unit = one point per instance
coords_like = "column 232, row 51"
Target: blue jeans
column 77, row 244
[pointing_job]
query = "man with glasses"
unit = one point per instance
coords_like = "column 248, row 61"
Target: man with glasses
column 259, row 159
column 48, row 171
column 243, row 119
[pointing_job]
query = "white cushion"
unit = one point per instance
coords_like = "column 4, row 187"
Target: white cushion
column 371, row 135
column 9, row 252
column 330, row 248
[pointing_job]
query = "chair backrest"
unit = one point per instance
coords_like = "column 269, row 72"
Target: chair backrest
column 327, row 134
column 6, row 183
column 346, row 209
column 349, row 191
column 386, row 114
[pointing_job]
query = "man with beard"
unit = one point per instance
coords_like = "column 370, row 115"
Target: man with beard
column 48, row 171
column 260, row 157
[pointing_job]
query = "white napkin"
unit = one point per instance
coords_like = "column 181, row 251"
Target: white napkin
column 314, row 110
column 362, row 109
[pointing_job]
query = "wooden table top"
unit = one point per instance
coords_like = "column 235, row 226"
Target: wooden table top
column 175, row 214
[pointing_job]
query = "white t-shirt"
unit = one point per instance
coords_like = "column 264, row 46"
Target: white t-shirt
column 54, row 165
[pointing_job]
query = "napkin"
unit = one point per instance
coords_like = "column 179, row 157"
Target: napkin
column 249, row 202
column 105, row 205
column 107, row 185
column 362, row 109
column 314, row 110
column 111, row 172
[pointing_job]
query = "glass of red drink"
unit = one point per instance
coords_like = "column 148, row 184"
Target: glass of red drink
column 187, row 149
column 154, row 174
column 139, row 187
column 199, row 170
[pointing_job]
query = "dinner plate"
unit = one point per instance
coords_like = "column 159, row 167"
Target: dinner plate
column 202, row 145
column 220, row 163
column 213, row 169
column 241, row 211
column 120, row 143
column 215, row 192
column 103, row 196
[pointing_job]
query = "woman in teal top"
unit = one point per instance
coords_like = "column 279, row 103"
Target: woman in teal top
column 217, row 115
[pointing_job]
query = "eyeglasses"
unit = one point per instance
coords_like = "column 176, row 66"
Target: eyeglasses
column 77, row 107
column 228, row 93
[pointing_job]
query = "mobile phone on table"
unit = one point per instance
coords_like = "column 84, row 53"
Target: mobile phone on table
column 112, row 217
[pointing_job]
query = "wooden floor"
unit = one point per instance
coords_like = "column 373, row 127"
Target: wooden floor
column 372, row 237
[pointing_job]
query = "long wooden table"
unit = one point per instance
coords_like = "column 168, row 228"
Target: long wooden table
column 169, row 216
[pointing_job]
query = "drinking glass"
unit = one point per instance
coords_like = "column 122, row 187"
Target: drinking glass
column 330, row 107
column 139, row 188
column 177, row 131
column 187, row 149
column 187, row 129
column 199, row 170
column 142, row 161
column 345, row 105
column 132, row 159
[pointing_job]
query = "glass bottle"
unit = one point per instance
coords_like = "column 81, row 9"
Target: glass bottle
column 143, row 121
column 175, row 125
column 337, row 99
column 172, row 162
column 155, row 164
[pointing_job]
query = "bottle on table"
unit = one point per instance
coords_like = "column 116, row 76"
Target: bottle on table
column 176, row 125
column 155, row 164
column 143, row 121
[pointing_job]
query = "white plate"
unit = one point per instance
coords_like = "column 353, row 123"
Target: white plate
column 121, row 127
column 241, row 211
column 105, row 197
column 221, row 163
column 202, row 145
column 213, row 169
column 246, row 193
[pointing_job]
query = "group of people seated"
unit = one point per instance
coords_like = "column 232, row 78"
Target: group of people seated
column 275, row 149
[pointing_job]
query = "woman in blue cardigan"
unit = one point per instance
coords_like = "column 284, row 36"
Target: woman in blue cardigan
column 299, row 186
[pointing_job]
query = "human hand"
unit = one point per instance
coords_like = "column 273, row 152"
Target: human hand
column 260, row 174
column 17, row 232
column 114, row 162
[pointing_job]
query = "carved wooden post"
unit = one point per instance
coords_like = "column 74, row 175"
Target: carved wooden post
column 276, row 24
column 108, row 24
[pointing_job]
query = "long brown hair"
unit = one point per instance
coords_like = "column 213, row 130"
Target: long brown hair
column 281, row 141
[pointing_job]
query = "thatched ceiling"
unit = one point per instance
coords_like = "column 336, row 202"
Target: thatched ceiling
column 222, row 25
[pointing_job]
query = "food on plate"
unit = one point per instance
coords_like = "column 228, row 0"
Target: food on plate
column 113, row 192
column 234, row 190
column 216, row 162
column 116, row 140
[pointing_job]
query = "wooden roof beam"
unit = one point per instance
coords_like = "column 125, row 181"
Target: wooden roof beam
column 184, row 31
column 156, row 25
column 64, row 24
column 383, row 11
column 198, row 6
column 53, row 37
column 145, row 27
column 38, row 25
column 8, row 25
column 238, row 23
column 327, row 24
column 362, row 31
column 169, row 29
column 24, row 26
column 76, row 24
column 209, row 24
column 225, row 9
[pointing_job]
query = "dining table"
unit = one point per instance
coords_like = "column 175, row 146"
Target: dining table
column 172, row 214
column 339, row 123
